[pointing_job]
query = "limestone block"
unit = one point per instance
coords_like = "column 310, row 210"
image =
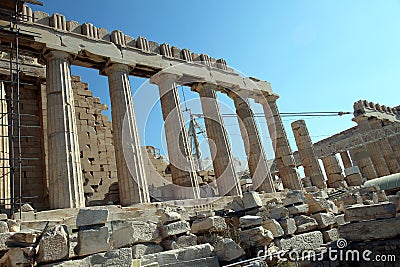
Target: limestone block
column 3, row 227
column 126, row 233
column 294, row 197
column 13, row 225
column 24, row 237
column 274, row 227
column 298, row 209
column 227, row 250
column 177, row 256
column 370, row 212
column 257, row 236
column 92, row 241
column 317, row 204
column 288, row 225
column 169, row 216
column 251, row 200
column 324, row 220
column 3, row 217
column 340, row 219
column 54, row 244
column 3, row 240
column 91, row 216
column 180, row 242
column 305, row 223
column 141, row 249
column 250, row 220
column 19, row 257
column 306, row 241
column 118, row 257
column 279, row 213
column 175, row 228
column 210, row 224
column 370, row 230
column 330, row 235
column 395, row 199
column 26, row 208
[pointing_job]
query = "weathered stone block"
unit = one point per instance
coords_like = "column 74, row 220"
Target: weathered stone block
column 178, row 256
column 3, row 227
column 181, row 242
column 257, row 236
column 92, row 241
column 317, row 204
column 330, row 235
column 94, row 216
column 3, row 239
column 288, row 225
column 24, row 237
column 19, row 257
column 54, row 244
column 306, row 241
column 278, row 213
column 169, row 216
column 298, row 209
column 324, row 220
column 370, row 230
column 274, row 227
column 126, row 233
column 228, row 250
column 370, row 212
column 305, row 223
column 175, row 228
column 210, row 224
column 294, row 197
column 250, row 221
column 251, row 200
column 141, row 249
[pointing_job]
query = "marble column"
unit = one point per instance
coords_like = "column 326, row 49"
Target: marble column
column 384, row 145
column 227, row 180
column 346, row 159
column 374, row 151
column 309, row 161
column 65, row 173
column 256, row 158
column 283, row 153
column 333, row 171
column 179, row 153
column 130, row 169
column 364, row 162
column 5, row 188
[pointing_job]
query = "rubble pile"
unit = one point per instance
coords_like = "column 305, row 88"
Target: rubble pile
column 162, row 235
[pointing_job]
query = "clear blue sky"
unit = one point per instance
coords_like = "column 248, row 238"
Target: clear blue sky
column 318, row 55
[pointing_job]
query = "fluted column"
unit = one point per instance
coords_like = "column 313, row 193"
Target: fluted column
column 130, row 171
column 65, row 173
column 283, row 153
column 333, row 171
column 346, row 159
column 384, row 145
column 227, row 179
column 308, row 159
column 256, row 158
column 374, row 151
column 179, row 153
column 5, row 188
column 364, row 162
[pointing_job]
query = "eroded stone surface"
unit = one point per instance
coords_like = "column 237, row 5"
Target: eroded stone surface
column 306, row 241
column 54, row 245
column 228, row 250
column 126, row 233
column 210, row 224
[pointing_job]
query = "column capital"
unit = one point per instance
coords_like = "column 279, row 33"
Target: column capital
column 161, row 76
column 197, row 87
column 111, row 67
column 56, row 54
column 266, row 97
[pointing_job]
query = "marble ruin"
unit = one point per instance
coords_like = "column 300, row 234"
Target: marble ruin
column 93, row 196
